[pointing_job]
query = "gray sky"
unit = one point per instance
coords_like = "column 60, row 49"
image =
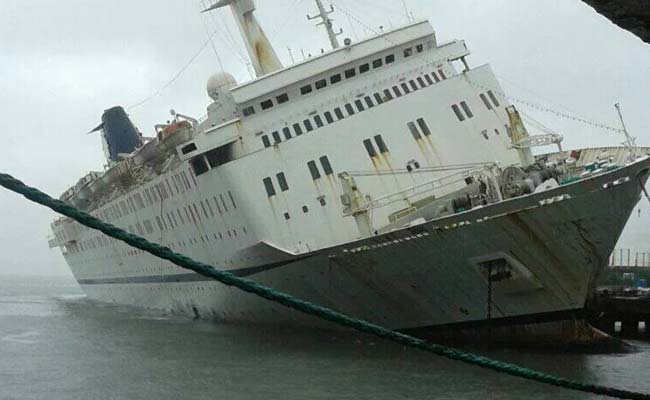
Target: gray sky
column 62, row 63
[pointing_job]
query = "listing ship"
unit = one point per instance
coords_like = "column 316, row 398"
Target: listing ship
column 387, row 179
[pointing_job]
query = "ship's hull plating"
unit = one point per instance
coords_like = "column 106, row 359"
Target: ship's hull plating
column 430, row 275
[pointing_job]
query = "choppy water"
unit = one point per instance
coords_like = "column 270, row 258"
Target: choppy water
column 56, row 344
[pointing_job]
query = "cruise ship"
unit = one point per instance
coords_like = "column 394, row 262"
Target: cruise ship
column 387, row 178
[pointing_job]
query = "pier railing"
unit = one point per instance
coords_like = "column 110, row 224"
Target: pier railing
column 628, row 258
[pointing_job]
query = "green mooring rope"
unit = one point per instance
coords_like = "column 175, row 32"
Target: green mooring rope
column 287, row 300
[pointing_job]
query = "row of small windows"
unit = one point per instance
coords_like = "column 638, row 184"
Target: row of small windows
column 334, row 79
column 359, row 105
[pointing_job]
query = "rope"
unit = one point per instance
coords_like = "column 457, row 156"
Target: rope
column 287, row 300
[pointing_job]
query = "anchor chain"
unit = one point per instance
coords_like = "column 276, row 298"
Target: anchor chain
column 306, row 307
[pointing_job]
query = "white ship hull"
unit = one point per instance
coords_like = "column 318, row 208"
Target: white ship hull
column 427, row 275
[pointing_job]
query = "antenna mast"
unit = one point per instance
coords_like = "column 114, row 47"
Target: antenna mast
column 630, row 142
column 327, row 22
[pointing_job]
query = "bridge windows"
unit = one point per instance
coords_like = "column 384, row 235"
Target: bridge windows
column 442, row 74
column 408, row 52
column 421, row 82
column 493, row 98
column 390, row 59
column 282, row 181
column 467, row 110
column 266, row 104
column 199, row 165
column 381, row 145
column 283, row 98
column 319, row 121
column 458, row 113
column 313, row 170
column 306, row 89
column 377, row 63
column 268, row 185
column 419, row 48
column 335, row 79
column 327, row 167
column 350, row 73
column 248, row 111
column 276, row 137
column 370, row 148
column 486, row 102
column 435, row 76
column 388, row 96
column 320, row 84
column 363, row 68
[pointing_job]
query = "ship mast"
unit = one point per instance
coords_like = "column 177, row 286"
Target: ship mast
column 327, row 22
column 262, row 55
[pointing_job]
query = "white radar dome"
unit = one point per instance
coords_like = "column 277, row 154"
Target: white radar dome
column 220, row 83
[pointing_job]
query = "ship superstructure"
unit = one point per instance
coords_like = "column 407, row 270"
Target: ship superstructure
column 385, row 178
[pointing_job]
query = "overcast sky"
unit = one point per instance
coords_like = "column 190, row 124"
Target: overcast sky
column 62, row 63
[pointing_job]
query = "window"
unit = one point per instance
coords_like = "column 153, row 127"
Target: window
column 421, row 82
column 424, row 127
column 199, row 165
column 313, row 170
column 363, row 68
column 459, row 114
column 390, row 58
column 283, row 98
column 268, row 185
column 414, row 131
column 287, row 133
column 305, row 89
column 408, row 52
column 147, row 226
column 160, row 225
column 387, row 95
column 349, row 73
column 188, row 149
column 466, row 109
column 494, row 98
column 435, row 76
column 442, row 74
column 276, row 137
column 282, row 181
column 370, row 148
column 335, row 79
column 429, row 80
column 405, row 88
column 419, row 48
column 338, row 113
column 349, row 109
column 327, row 167
column 378, row 98
column 381, row 145
column 308, row 125
column 223, row 203
column 414, row 86
column 319, row 121
column 220, row 155
column 266, row 141
column 328, row 117
column 359, row 105
column 377, row 63
column 320, row 84
column 369, row 101
column 248, row 111
column 397, row 92
column 485, row 101
column 232, row 200
column 297, row 129
column 266, row 104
